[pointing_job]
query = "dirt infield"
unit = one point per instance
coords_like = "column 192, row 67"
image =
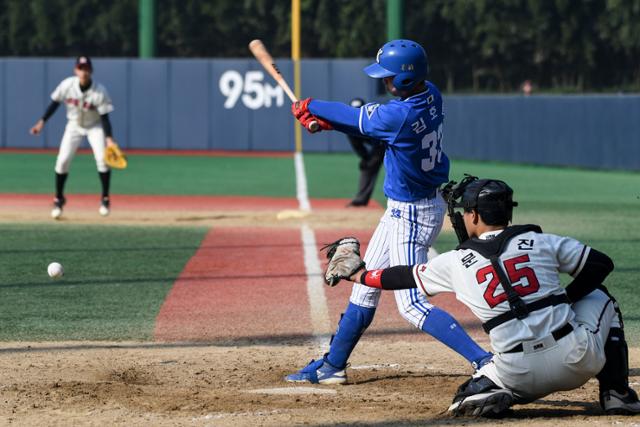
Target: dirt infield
column 391, row 383
column 220, row 211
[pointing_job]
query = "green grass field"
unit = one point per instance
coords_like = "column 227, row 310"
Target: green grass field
column 121, row 274
column 116, row 279
column 192, row 175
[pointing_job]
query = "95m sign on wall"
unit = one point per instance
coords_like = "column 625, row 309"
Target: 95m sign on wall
column 250, row 89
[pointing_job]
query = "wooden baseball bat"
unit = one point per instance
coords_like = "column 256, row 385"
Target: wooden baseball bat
column 266, row 60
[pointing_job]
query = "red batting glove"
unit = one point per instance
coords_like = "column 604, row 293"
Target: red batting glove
column 300, row 108
column 301, row 112
column 308, row 119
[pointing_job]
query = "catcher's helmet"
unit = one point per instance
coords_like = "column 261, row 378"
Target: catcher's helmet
column 404, row 60
column 491, row 198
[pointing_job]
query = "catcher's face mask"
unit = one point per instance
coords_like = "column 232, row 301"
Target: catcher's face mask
column 452, row 193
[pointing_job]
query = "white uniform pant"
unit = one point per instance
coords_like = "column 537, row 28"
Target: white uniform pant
column 73, row 135
column 565, row 364
column 403, row 237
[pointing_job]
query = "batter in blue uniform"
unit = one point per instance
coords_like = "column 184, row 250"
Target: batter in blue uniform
column 410, row 127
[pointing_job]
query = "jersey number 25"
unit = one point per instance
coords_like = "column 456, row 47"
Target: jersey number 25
column 432, row 142
column 515, row 275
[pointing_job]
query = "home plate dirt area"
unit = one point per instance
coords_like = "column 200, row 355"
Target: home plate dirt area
column 244, row 312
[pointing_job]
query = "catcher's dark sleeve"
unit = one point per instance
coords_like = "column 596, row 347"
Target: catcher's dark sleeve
column 50, row 110
column 393, row 278
column 106, row 124
column 596, row 268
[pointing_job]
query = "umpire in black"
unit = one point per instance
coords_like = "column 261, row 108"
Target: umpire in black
column 371, row 153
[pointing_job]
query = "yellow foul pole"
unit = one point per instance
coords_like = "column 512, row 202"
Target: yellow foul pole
column 295, row 56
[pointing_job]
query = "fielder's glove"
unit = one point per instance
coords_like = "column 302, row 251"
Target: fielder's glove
column 114, row 157
column 344, row 260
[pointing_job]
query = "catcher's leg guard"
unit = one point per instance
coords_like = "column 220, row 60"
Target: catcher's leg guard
column 615, row 373
column 443, row 327
column 616, row 397
column 354, row 321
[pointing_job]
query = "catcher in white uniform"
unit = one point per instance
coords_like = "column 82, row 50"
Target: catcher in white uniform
column 88, row 107
column 546, row 338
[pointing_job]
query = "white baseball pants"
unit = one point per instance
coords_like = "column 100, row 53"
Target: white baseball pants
column 71, row 140
column 403, row 237
column 546, row 365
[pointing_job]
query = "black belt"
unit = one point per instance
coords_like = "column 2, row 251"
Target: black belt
column 548, row 301
column 557, row 334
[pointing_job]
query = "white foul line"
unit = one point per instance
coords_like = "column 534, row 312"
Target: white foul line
column 318, row 308
column 301, row 183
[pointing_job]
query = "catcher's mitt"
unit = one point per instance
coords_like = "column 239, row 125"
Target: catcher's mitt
column 344, row 260
column 114, row 157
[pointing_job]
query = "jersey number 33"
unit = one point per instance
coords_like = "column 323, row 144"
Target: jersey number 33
column 432, row 142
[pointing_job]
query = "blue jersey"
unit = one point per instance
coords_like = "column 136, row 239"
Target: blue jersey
column 411, row 130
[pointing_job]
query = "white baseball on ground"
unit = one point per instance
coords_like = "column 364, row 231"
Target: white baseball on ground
column 55, row 270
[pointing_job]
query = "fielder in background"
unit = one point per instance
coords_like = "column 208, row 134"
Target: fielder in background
column 371, row 154
column 411, row 130
column 546, row 338
column 88, row 107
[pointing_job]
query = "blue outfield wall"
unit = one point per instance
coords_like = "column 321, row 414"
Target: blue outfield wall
column 593, row 131
column 232, row 104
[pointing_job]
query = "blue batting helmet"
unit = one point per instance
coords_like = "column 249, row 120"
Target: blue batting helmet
column 404, row 60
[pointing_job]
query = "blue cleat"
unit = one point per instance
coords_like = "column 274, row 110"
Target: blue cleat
column 319, row 372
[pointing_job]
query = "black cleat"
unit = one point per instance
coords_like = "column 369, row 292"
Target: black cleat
column 615, row 403
column 492, row 403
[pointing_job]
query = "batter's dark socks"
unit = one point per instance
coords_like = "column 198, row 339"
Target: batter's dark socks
column 105, row 179
column 61, row 178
